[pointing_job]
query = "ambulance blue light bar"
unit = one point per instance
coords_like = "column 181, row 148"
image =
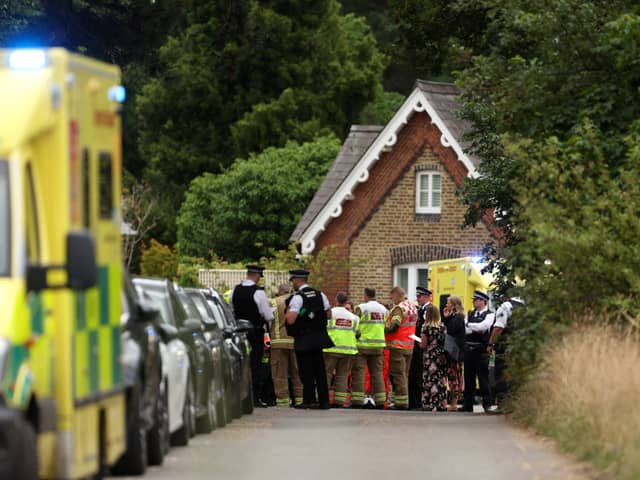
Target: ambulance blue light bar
column 27, row 59
column 117, row 93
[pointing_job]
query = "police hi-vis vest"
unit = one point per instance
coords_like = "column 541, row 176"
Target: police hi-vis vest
column 400, row 338
column 342, row 328
column 373, row 317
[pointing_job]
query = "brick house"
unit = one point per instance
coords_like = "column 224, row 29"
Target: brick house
column 389, row 200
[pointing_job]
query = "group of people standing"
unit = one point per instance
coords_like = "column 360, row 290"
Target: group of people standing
column 413, row 354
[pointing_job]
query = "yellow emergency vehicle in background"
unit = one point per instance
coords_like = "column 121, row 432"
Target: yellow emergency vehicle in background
column 60, row 265
column 457, row 276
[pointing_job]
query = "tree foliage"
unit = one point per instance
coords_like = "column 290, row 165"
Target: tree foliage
column 250, row 210
column 246, row 75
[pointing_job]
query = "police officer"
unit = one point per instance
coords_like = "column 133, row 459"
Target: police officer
column 250, row 302
column 283, row 358
column 343, row 330
column 476, row 360
column 401, row 324
column 503, row 313
column 307, row 315
column 424, row 298
column 373, row 316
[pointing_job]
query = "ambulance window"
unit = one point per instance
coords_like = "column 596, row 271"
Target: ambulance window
column 86, row 190
column 105, row 172
column 5, row 231
column 33, row 233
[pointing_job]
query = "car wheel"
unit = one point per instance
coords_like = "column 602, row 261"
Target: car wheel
column 181, row 436
column 134, row 460
column 158, row 436
column 18, row 457
column 207, row 422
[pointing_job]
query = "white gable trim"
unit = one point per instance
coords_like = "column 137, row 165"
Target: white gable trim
column 386, row 139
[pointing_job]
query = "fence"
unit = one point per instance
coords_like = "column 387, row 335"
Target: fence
column 224, row 279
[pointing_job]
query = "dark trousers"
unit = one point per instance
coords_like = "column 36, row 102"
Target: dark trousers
column 476, row 364
column 415, row 378
column 257, row 352
column 500, row 388
column 313, row 375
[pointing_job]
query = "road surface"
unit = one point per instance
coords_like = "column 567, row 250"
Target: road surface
column 282, row 444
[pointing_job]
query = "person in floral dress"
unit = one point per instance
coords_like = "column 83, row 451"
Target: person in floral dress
column 434, row 374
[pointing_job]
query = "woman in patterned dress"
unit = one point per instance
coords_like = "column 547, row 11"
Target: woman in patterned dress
column 454, row 321
column 434, row 374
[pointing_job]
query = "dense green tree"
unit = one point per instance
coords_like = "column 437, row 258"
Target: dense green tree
column 435, row 37
column 554, row 100
column 245, row 75
column 381, row 109
column 251, row 210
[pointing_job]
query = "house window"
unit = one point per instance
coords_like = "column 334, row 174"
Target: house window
column 428, row 192
column 409, row 276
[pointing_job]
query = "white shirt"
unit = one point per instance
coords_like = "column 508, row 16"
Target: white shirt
column 482, row 326
column 262, row 302
column 296, row 302
column 503, row 313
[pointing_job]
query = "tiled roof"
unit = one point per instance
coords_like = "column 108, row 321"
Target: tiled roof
column 364, row 145
column 443, row 97
column 359, row 140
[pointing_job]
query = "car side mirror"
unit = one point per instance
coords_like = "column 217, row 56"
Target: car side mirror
column 147, row 312
column 191, row 325
column 81, row 267
column 167, row 332
column 244, row 325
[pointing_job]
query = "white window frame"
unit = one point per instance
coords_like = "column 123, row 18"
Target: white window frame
column 412, row 277
column 428, row 208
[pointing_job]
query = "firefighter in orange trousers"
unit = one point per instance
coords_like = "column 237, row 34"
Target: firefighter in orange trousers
column 343, row 329
column 373, row 317
column 400, row 326
column 283, row 357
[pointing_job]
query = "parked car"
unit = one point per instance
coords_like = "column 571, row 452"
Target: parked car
column 208, row 367
column 142, row 372
column 224, row 381
column 235, row 332
column 175, row 357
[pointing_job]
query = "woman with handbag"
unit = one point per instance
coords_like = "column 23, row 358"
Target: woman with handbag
column 453, row 319
column 434, row 377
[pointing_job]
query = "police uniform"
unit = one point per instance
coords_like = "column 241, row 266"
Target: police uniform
column 372, row 318
column 342, row 328
column 417, row 361
column 503, row 313
column 309, row 331
column 283, row 358
column 250, row 302
column 476, row 358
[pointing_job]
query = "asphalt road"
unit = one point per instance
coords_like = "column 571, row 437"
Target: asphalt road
column 363, row 444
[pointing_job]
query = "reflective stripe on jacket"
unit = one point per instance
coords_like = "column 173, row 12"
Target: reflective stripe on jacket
column 408, row 314
column 373, row 317
column 342, row 328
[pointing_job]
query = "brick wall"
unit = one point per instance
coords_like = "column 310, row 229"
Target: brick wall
column 379, row 225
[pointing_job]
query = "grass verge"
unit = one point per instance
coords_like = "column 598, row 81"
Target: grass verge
column 586, row 395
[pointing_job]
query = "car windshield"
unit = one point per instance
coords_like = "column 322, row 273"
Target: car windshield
column 191, row 309
column 5, row 221
column 160, row 300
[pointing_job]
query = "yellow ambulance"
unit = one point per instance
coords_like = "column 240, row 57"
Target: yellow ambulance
column 60, row 265
column 457, row 276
